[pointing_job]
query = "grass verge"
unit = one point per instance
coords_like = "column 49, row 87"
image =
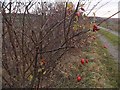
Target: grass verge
column 110, row 64
column 100, row 72
column 115, row 40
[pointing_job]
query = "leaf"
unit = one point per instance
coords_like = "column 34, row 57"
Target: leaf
column 92, row 58
column 70, row 6
column 76, row 17
column 95, row 43
column 43, row 68
column 44, row 72
column 42, row 61
column 81, row 5
column 30, row 77
column 40, row 70
column 105, row 54
column 89, row 42
column 75, row 26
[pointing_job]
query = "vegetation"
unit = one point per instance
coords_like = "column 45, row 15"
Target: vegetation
column 110, row 64
column 111, row 24
column 100, row 71
column 115, row 40
column 53, row 45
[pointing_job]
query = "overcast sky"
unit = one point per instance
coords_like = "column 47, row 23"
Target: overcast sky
column 105, row 11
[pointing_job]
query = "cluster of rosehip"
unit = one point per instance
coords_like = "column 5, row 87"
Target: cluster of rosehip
column 95, row 28
column 80, row 12
column 83, row 61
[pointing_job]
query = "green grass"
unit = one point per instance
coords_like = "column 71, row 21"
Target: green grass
column 115, row 40
column 110, row 64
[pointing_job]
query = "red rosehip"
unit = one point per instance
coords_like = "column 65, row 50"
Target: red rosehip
column 78, row 78
column 78, row 14
column 95, row 28
column 86, row 60
column 82, row 61
column 105, row 46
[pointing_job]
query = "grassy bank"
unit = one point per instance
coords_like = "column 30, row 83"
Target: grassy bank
column 115, row 40
column 109, row 63
column 101, row 70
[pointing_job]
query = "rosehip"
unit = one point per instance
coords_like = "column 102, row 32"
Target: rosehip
column 82, row 61
column 78, row 78
column 86, row 60
column 95, row 28
column 78, row 14
column 105, row 46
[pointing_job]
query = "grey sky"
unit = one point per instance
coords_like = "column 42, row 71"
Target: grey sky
column 112, row 7
column 105, row 11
